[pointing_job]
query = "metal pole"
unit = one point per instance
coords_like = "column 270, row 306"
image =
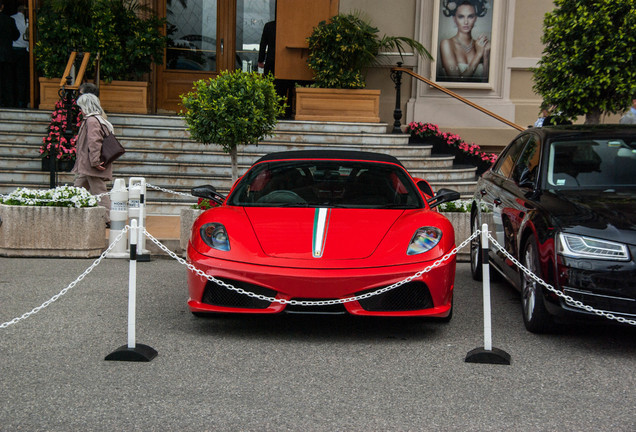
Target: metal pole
column 396, row 76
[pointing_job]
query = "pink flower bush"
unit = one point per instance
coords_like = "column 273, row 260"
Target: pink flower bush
column 55, row 139
column 428, row 130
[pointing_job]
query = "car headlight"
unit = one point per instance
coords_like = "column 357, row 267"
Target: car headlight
column 424, row 239
column 215, row 236
column 576, row 246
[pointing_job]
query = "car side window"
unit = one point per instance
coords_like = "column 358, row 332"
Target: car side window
column 506, row 161
column 527, row 166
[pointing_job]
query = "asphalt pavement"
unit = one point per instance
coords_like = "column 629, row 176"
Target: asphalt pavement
column 291, row 372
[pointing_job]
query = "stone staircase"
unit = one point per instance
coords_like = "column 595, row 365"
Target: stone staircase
column 159, row 149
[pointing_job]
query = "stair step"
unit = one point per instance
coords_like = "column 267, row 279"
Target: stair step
column 159, row 148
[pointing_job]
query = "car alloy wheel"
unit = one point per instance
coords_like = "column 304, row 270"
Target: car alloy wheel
column 535, row 316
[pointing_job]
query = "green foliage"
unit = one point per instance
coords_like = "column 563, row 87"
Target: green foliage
column 61, row 196
column 339, row 50
column 233, row 108
column 128, row 44
column 588, row 65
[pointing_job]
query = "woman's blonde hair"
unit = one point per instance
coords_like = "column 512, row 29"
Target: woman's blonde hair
column 90, row 106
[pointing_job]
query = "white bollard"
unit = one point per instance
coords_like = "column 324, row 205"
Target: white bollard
column 118, row 218
column 487, row 354
column 132, row 351
column 485, row 271
column 137, row 211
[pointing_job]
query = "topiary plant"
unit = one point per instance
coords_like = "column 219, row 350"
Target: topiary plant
column 339, row 50
column 233, row 108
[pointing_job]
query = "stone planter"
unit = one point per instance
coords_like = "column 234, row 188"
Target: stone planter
column 56, row 232
column 344, row 105
column 116, row 96
column 461, row 223
column 188, row 216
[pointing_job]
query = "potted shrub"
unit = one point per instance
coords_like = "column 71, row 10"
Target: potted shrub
column 64, row 148
column 127, row 38
column 339, row 53
column 233, row 108
column 449, row 143
column 61, row 222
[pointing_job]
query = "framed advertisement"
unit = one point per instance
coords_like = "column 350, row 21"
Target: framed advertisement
column 465, row 36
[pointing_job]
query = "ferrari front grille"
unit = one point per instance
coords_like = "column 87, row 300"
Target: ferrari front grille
column 408, row 297
column 217, row 295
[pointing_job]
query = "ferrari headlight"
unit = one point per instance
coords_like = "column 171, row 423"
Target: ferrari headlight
column 576, row 246
column 215, row 236
column 424, row 239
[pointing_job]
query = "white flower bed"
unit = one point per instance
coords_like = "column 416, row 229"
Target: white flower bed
column 61, row 196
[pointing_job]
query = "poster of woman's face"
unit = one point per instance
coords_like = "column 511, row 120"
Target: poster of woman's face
column 464, row 39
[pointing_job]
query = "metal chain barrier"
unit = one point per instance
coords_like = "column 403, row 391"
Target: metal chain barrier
column 308, row 302
column 168, row 190
column 568, row 299
column 69, row 287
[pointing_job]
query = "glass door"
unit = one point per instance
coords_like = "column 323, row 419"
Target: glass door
column 206, row 37
column 192, row 31
column 251, row 17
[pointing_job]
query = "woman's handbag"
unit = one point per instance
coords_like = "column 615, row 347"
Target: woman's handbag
column 111, row 148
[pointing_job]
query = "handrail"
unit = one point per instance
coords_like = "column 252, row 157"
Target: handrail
column 458, row 97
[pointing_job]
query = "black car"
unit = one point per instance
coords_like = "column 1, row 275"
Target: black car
column 563, row 203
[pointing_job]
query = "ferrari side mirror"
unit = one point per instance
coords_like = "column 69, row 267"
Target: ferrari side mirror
column 207, row 192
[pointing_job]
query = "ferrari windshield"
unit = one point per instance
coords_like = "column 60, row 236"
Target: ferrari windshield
column 326, row 183
column 590, row 164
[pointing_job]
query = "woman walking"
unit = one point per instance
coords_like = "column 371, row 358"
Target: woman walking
column 90, row 171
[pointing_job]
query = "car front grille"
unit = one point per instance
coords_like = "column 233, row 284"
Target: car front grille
column 408, row 297
column 617, row 305
column 337, row 308
column 217, row 295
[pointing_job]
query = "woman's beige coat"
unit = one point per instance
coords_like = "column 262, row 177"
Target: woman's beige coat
column 89, row 146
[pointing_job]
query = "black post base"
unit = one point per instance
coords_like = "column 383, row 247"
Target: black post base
column 141, row 353
column 143, row 257
column 481, row 355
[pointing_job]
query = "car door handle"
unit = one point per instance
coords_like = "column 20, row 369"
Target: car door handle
column 497, row 202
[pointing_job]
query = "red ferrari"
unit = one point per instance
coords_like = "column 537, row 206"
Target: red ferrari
column 303, row 230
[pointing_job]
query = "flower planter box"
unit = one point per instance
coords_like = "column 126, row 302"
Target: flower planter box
column 188, row 216
column 340, row 105
column 116, row 96
column 58, row 232
column 461, row 224
column 62, row 165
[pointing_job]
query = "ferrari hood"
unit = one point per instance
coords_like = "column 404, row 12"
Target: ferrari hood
column 320, row 233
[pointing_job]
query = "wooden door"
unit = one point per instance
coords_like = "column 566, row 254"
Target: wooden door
column 295, row 20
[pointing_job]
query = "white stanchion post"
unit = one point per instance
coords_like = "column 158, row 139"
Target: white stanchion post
column 132, row 351
column 137, row 207
column 486, row 288
column 132, row 284
column 487, row 354
column 118, row 218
